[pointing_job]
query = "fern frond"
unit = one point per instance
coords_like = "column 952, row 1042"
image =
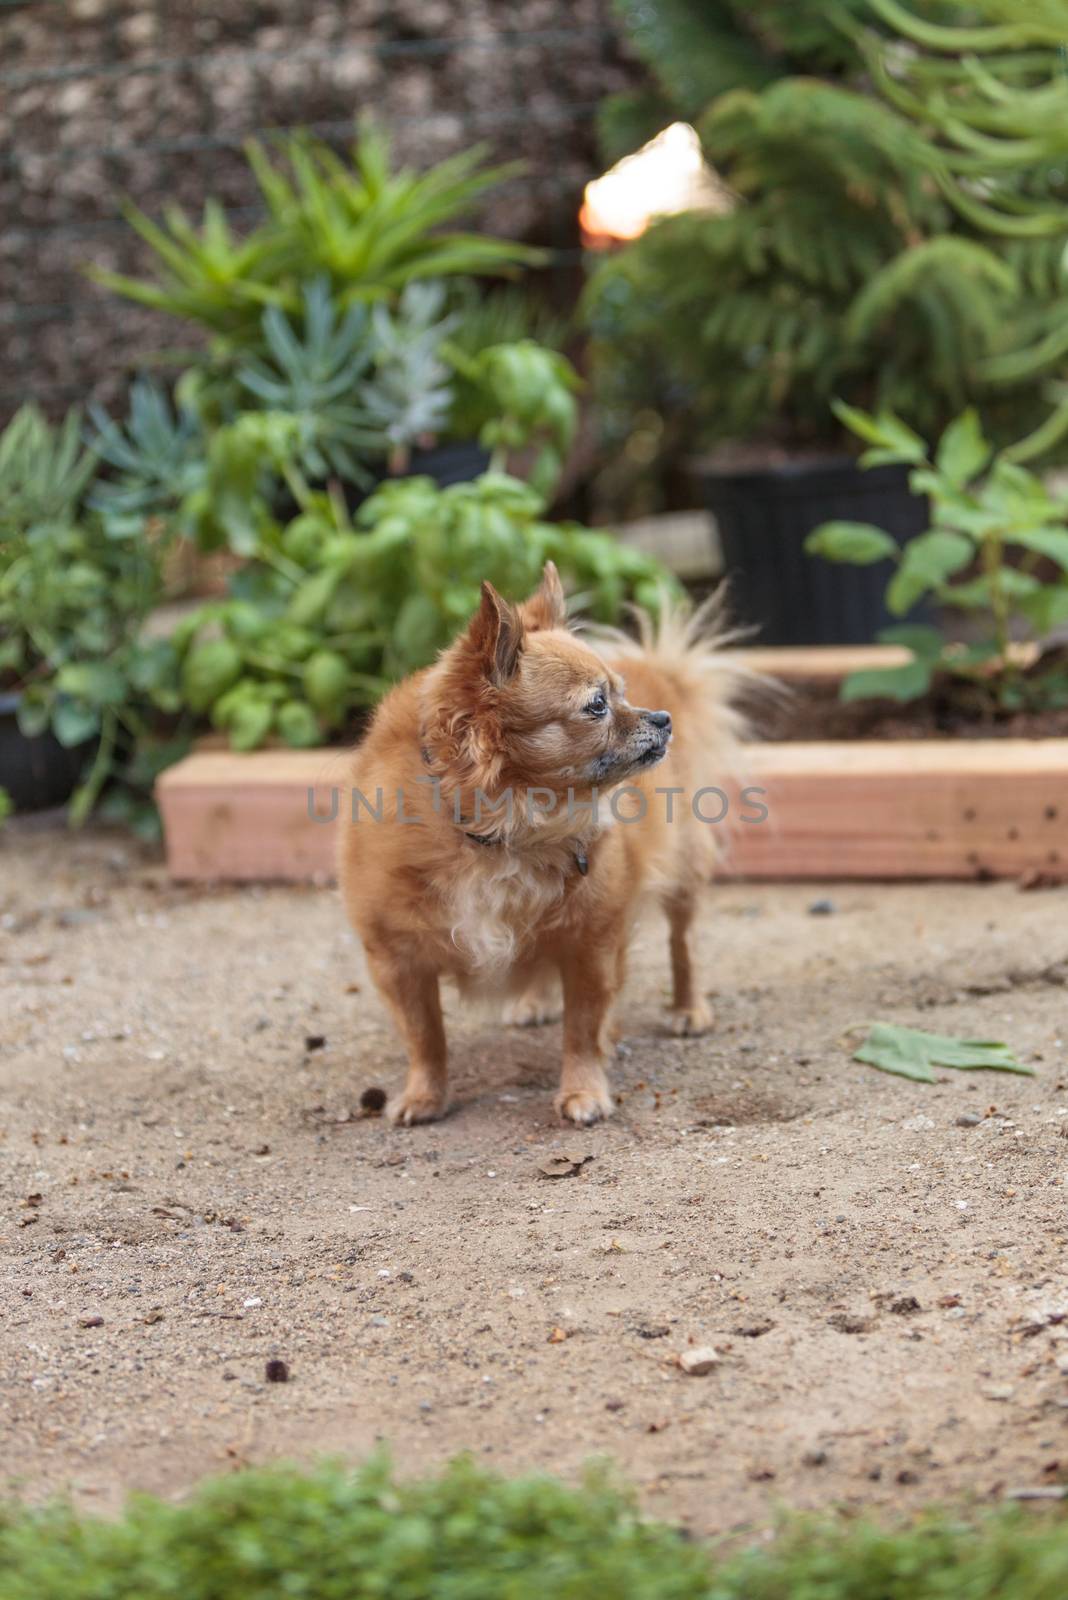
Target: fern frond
column 970, row 276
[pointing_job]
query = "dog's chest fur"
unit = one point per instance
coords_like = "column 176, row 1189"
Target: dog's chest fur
column 496, row 907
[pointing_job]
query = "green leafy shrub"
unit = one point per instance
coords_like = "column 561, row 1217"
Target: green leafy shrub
column 315, row 372
column 75, row 591
column 528, row 404
column 322, row 386
column 346, row 332
column 331, row 1536
column 410, row 396
column 335, row 397
column 1006, row 1556
column 347, row 326
column 997, row 550
column 470, row 1535
column 157, row 461
column 364, row 228
column 697, row 50
column 894, row 230
column 330, row 611
column 44, row 471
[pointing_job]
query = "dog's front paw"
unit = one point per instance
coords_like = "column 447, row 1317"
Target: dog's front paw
column 532, row 1010
column 583, row 1106
column 416, row 1105
column 689, row 1021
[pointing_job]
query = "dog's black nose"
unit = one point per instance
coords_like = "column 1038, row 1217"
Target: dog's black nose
column 659, row 719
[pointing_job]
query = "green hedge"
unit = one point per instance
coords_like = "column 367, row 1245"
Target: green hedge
column 467, row 1535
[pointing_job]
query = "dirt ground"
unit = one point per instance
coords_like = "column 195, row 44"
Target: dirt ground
column 187, row 1191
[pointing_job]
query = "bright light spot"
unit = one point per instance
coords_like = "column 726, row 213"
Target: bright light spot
column 666, row 175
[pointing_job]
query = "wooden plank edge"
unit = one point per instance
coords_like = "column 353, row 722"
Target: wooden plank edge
column 923, row 810
column 829, row 662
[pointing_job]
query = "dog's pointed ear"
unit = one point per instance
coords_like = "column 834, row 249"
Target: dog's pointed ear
column 546, row 607
column 496, row 634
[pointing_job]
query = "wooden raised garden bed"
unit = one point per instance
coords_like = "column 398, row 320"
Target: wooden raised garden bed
column 925, row 808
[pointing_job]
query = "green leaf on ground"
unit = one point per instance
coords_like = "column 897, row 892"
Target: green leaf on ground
column 912, row 1054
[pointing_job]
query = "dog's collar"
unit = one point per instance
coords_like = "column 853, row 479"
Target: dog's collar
column 582, row 860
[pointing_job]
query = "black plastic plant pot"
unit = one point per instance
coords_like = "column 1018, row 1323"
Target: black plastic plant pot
column 789, row 597
column 36, row 772
column 456, row 462
column 447, row 464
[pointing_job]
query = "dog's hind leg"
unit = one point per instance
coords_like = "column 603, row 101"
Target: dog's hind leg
column 539, row 1002
column 615, row 1027
column 689, row 1012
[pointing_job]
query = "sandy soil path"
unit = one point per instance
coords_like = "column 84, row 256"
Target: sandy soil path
column 187, row 1191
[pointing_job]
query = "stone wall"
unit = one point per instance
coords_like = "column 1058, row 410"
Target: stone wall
column 152, row 99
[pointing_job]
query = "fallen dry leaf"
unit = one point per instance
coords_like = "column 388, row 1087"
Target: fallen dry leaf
column 564, row 1165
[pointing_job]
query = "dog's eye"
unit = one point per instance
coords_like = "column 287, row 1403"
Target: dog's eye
column 598, row 706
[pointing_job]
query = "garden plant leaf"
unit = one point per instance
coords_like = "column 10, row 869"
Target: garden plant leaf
column 912, row 1054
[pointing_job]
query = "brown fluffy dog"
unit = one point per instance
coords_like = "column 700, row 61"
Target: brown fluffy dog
column 510, row 828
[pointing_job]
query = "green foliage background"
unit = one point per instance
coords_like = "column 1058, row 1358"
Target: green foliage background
column 997, row 549
column 898, row 227
column 346, row 331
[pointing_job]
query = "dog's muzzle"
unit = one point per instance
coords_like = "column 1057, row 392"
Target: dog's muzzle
column 658, row 724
